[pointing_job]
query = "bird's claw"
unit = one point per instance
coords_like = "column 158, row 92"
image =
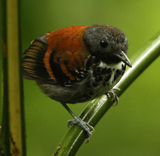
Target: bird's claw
column 114, row 95
column 84, row 125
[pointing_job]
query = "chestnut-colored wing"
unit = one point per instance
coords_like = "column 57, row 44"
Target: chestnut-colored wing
column 57, row 57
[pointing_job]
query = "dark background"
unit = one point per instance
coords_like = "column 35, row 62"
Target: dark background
column 131, row 128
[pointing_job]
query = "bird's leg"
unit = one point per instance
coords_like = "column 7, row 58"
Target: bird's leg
column 114, row 95
column 85, row 126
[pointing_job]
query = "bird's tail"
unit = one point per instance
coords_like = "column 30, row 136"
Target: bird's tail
column 33, row 64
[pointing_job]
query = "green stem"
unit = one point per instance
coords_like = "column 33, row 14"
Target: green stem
column 95, row 110
column 12, row 141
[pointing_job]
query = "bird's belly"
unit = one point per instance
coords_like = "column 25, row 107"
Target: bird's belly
column 93, row 86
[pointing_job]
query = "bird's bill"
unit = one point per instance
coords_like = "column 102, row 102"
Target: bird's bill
column 123, row 57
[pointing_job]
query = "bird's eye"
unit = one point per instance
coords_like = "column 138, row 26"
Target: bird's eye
column 103, row 44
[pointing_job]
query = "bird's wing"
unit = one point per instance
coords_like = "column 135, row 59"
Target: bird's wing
column 57, row 57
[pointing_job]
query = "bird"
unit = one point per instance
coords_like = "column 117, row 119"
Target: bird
column 77, row 64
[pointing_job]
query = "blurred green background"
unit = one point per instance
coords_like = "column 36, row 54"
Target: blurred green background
column 131, row 128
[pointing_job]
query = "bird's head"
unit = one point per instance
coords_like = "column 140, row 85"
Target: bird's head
column 108, row 43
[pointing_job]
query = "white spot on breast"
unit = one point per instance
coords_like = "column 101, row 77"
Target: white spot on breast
column 115, row 67
column 103, row 65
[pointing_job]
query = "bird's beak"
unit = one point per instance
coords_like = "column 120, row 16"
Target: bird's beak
column 123, row 57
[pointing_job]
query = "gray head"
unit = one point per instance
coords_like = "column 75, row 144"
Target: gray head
column 108, row 43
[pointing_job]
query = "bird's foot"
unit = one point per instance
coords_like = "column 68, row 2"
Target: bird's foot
column 85, row 126
column 114, row 95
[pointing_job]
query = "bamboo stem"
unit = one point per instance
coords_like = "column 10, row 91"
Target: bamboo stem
column 13, row 134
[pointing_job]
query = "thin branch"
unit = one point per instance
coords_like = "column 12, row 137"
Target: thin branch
column 95, row 110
